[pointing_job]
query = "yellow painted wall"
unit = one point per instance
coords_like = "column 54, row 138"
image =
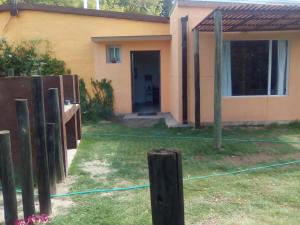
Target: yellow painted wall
column 251, row 108
column 235, row 109
column 195, row 15
column 4, row 20
column 120, row 74
column 70, row 38
column 175, row 74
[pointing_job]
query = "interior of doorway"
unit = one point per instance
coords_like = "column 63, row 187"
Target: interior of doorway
column 145, row 81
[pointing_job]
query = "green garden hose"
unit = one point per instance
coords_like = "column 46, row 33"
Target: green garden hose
column 86, row 134
column 140, row 187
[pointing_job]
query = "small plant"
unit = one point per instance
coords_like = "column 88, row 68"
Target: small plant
column 101, row 104
column 84, row 101
column 50, row 65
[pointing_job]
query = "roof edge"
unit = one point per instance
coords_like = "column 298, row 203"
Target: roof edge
column 216, row 3
column 86, row 12
column 132, row 38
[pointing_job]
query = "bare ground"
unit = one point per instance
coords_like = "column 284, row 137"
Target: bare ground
column 60, row 206
column 95, row 168
column 248, row 160
column 140, row 123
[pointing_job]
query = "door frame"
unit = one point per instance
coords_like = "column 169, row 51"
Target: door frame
column 132, row 75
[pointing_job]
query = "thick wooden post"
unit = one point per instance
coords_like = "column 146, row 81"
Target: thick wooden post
column 218, row 84
column 184, row 21
column 41, row 148
column 26, row 157
column 197, row 78
column 165, row 173
column 51, row 156
column 56, row 119
column 8, row 179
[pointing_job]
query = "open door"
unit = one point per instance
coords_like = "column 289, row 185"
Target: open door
column 145, row 68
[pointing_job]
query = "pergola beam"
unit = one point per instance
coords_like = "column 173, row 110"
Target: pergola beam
column 257, row 11
column 285, row 16
column 243, row 22
column 296, row 21
column 251, row 18
column 218, row 82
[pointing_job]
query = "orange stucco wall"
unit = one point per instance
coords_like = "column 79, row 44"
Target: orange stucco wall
column 251, row 108
column 235, row 109
column 4, row 18
column 70, row 39
column 120, row 74
column 195, row 15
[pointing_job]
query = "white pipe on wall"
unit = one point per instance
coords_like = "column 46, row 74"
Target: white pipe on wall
column 85, row 4
column 98, row 4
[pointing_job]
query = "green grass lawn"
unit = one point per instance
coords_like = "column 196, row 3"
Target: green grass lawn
column 112, row 155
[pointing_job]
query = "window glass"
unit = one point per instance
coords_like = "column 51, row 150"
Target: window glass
column 255, row 68
column 113, row 54
column 117, row 54
column 249, row 67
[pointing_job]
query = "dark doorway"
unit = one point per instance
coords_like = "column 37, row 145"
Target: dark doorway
column 145, row 67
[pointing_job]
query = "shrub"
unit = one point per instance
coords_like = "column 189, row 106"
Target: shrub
column 101, row 104
column 27, row 58
column 84, row 101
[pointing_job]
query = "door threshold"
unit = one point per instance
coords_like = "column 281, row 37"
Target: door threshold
column 147, row 113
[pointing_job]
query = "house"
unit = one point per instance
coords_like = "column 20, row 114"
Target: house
column 153, row 62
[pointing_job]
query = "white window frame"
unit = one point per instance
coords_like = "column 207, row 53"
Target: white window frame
column 108, row 47
column 270, row 69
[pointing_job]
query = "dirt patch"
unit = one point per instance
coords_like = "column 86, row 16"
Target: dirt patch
column 140, row 123
column 124, row 183
column 248, row 160
column 60, row 206
column 20, row 208
column 210, row 221
column 258, row 158
column 95, row 168
column 269, row 145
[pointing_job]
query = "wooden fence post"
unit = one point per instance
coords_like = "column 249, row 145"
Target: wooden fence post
column 51, row 156
column 26, row 157
column 166, row 185
column 40, row 144
column 8, row 179
column 218, row 81
column 56, row 119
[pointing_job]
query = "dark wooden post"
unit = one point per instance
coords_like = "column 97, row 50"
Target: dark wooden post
column 56, row 119
column 78, row 114
column 184, row 21
column 51, row 156
column 26, row 157
column 40, row 144
column 7, row 179
column 218, row 81
column 166, row 184
column 197, row 78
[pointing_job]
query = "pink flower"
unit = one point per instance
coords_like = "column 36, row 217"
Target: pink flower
column 42, row 219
